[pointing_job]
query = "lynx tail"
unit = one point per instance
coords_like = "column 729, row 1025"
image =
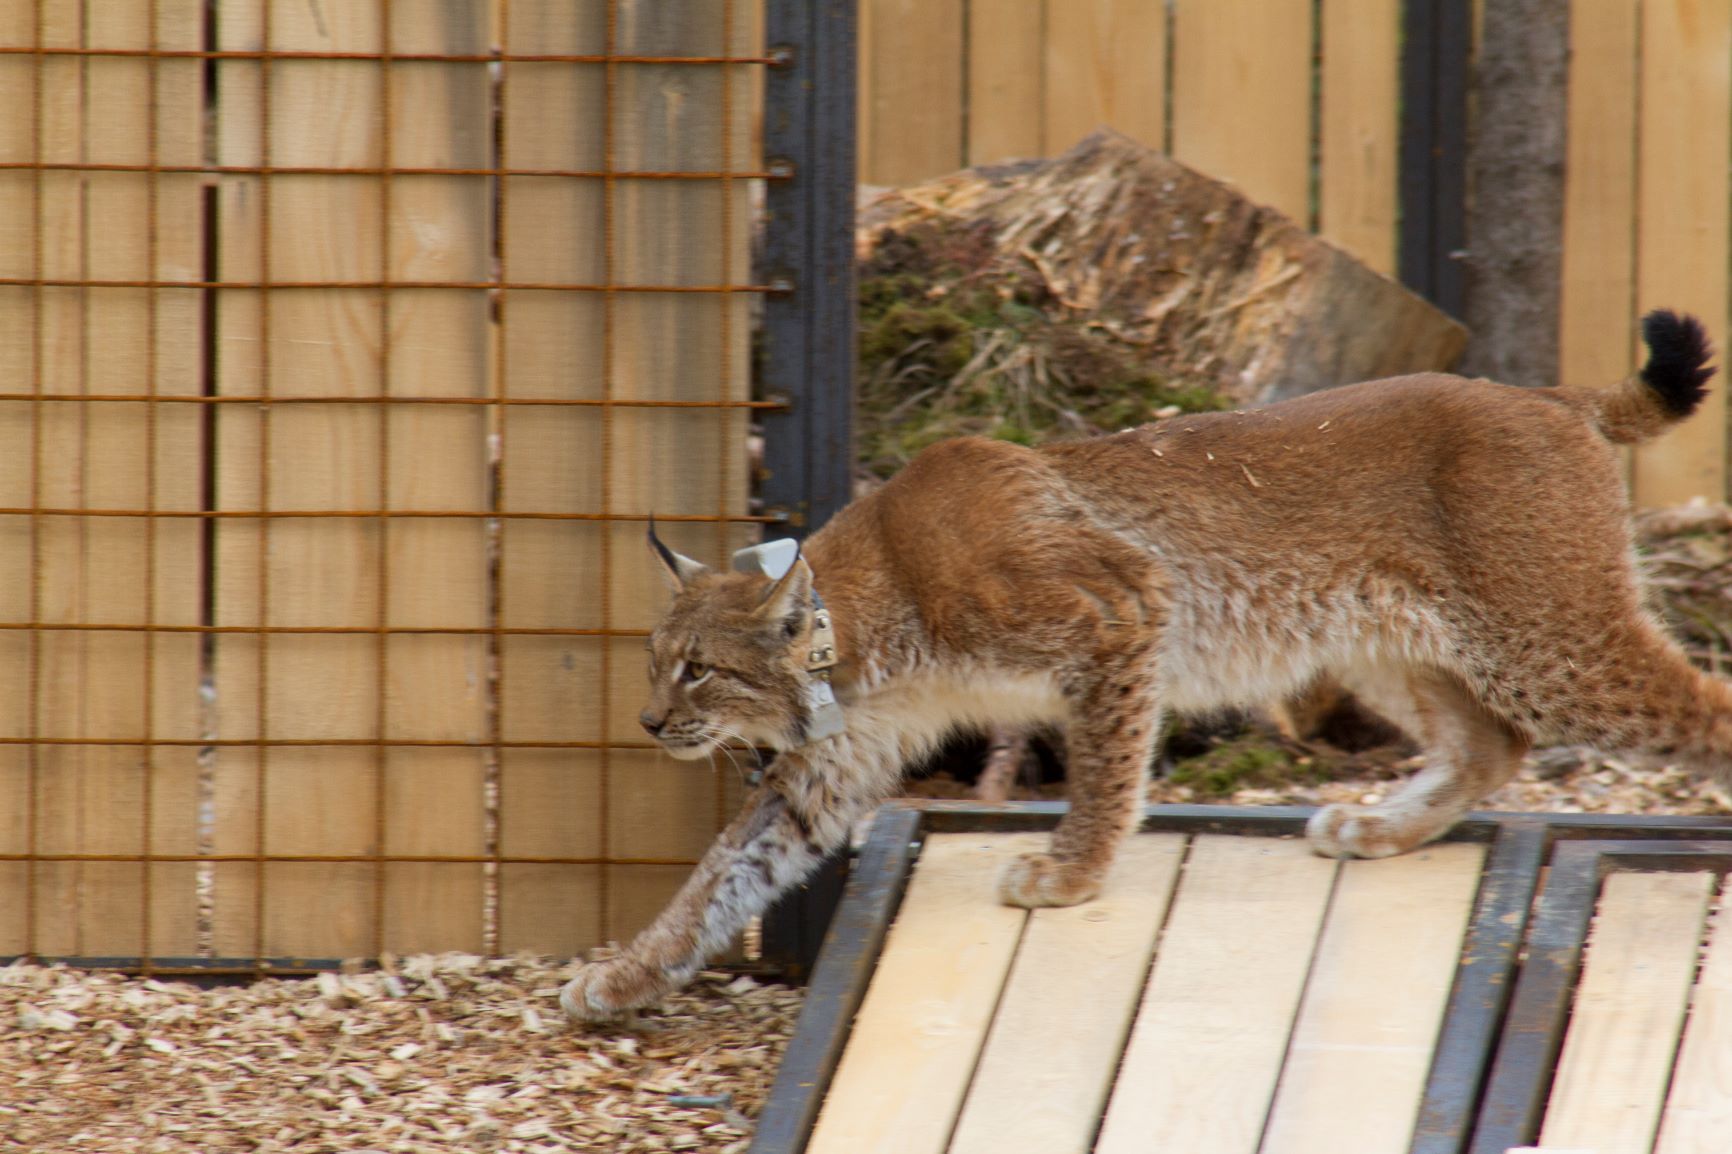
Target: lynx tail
column 1668, row 388
column 1677, row 351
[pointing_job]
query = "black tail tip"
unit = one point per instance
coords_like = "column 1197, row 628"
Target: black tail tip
column 1678, row 349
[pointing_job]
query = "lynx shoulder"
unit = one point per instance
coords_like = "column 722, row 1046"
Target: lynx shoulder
column 1457, row 550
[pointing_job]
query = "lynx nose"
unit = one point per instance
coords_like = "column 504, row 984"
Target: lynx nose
column 651, row 723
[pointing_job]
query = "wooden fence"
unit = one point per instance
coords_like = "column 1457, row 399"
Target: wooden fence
column 1231, row 87
column 344, row 348
column 1298, row 104
column 343, row 351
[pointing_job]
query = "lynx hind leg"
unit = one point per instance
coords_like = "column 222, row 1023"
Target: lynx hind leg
column 1468, row 753
column 1007, row 749
column 1645, row 698
column 1114, row 725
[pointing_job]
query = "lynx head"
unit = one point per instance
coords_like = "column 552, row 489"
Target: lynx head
column 726, row 661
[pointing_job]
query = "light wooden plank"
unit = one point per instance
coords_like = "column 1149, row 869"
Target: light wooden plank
column 1106, row 65
column 1698, row 1113
column 551, row 460
column 18, row 227
column 237, row 543
column 1049, row 1060
column 1629, row 1008
column 182, row 457
column 925, row 1017
column 93, row 799
column 865, row 54
column 1682, row 193
column 1203, row 1058
column 318, row 572
column 1374, row 1003
column 672, row 346
column 1597, row 310
column 67, row 775
column 1360, row 132
column 1597, row 290
column 1005, row 80
column 1242, row 97
column 441, row 229
column 90, row 799
column 913, row 82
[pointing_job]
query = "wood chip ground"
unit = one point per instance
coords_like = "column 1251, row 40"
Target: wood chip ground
column 435, row 1054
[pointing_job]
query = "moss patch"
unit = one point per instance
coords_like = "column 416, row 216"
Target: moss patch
column 1249, row 762
column 956, row 340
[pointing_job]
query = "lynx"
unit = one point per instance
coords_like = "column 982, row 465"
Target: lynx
column 1457, row 549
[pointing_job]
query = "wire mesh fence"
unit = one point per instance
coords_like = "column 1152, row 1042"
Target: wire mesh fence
column 343, row 351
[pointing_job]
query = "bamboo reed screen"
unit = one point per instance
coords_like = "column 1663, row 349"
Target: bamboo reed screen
column 344, row 348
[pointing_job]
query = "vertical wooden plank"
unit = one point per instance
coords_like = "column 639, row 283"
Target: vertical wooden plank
column 1362, row 1045
column 440, row 230
column 125, row 571
column 18, row 227
column 1006, row 79
column 96, row 455
column 63, row 771
column 866, row 46
column 319, row 572
column 1682, row 193
column 237, row 542
column 925, row 1017
column 1629, row 1009
column 1049, row 1060
column 1242, row 97
column 1360, row 129
column 671, row 346
column 53, row 205
column 913, row 80
column 1699, row 1105
column 1596, row 307
column 323, row 342
column 1200, row 1069
column 180, row 564
column 551, row 461
column 1106, row 65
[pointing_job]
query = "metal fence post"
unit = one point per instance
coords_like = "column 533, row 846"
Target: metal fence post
column 1435, row 57
column 807, row 356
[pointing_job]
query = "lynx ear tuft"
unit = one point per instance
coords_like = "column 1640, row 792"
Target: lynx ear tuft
column 681, row 571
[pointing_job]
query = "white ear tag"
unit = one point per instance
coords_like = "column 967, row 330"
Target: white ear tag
column 773, row 558
column 823, row 715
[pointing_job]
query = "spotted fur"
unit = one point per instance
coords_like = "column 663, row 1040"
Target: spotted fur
column 1455, row 551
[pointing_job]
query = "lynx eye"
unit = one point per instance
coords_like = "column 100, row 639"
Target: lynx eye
column 695, row 673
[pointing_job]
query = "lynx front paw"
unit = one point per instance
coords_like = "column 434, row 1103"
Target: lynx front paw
column 1353, row 831
column 607, row 989
column 1039, row 879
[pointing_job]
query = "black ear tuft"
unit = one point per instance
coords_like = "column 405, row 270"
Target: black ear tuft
column 681, row 570
column 1678, row 350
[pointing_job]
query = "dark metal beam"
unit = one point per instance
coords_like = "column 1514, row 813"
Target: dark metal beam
column 1435, row 58
column 807, row 354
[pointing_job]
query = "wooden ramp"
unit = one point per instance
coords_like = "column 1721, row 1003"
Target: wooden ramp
column 1232, row 993
column 1292, row 1004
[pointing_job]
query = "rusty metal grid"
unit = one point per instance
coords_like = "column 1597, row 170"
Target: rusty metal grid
column 499, row 519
